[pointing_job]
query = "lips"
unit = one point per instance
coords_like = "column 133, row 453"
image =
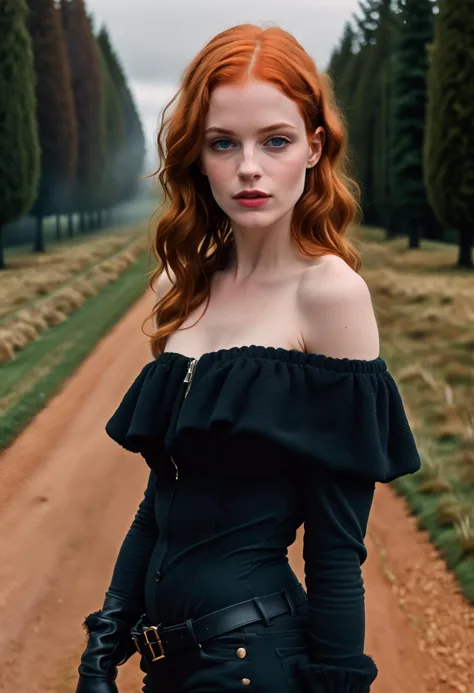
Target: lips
column 252, row 202
column 250, row 194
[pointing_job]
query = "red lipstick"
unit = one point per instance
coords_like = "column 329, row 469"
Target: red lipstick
column 251, row 198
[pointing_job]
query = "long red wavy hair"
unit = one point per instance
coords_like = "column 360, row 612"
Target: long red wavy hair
column 193, row 236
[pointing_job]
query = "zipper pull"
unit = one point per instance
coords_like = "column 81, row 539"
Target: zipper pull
column 189, row 375
column 190, row 371
column 176, row 467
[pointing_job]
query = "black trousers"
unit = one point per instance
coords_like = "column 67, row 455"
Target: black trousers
column 257, row 658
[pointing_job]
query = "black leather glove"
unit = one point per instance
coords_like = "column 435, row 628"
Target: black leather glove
column 110, row 644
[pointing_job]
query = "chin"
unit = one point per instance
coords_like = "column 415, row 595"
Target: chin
column 254, row 218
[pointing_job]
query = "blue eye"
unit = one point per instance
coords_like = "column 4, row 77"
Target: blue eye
column 216, row 142
column 280, row 139
column 223, row 144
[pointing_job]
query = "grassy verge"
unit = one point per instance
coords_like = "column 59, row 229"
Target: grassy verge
column 32, row 278
column 441, row 495
column 39, row 371
column 424, row 309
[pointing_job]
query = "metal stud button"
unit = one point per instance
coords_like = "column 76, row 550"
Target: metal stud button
column 241, row 652
column 246, row 682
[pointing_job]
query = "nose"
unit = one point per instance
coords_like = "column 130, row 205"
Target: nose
column 249, row 166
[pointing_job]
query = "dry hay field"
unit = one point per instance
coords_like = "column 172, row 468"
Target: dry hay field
column 425, row 311
column 41, row 291
column 55, row 307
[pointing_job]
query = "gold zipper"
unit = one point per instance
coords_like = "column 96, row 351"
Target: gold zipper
column 187, row 379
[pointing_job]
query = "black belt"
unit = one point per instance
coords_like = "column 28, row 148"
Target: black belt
column 155, row 642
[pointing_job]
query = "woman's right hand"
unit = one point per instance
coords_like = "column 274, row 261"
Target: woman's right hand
column 109, row 645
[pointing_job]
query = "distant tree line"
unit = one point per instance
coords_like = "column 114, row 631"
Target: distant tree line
column 71, row 140
column 403, row 74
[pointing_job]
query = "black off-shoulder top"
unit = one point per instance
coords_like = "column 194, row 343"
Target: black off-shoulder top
column 245, row 445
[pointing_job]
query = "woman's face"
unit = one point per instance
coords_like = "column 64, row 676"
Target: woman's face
column 255, row 139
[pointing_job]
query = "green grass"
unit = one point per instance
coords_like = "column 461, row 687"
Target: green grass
column 39, row 371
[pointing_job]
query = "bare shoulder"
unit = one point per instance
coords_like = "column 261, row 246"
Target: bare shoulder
column 329, row 278
column 337, row 314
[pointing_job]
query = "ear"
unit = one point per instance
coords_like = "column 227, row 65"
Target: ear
column 316, row 145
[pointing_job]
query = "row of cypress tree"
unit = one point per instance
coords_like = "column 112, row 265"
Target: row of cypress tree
column 70, row 135
column 403, row 74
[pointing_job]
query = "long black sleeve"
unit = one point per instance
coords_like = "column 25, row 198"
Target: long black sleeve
column 336, row 509
column 128, row 578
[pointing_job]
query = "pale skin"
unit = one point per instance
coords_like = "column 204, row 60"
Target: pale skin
column 335, row 315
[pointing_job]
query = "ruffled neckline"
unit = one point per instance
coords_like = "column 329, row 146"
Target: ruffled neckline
column 252, row 406
column 290, row 356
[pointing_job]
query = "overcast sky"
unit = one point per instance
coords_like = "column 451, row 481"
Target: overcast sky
column 156, row 40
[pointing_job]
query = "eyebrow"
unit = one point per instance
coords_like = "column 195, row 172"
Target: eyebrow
column 265, row 129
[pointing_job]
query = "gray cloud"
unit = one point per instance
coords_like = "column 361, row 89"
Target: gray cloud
column 156, row 41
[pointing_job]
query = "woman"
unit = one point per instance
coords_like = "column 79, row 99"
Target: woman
column 269, row 408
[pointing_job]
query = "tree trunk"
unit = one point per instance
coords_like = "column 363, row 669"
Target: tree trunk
column 2, row 256
column 70, row 225
column 466, row 238
column 39, row 238
column 414, row 232
column 100, row 219
column 58, row 227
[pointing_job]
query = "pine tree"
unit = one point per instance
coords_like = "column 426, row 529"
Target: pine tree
column 55, row 112
column 339, row 63
column 347, row 83
column 382, row 193
column 342, row 54
column 368, row 22
column 130, row 157
column 449, row 141
column 376, row 31
column 114, row 128
column 86, row 83
column 19, row 142
column 408, row 116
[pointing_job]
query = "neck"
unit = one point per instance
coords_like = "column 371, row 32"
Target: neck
column 262, row 254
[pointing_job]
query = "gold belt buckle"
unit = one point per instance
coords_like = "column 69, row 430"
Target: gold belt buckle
column 151, row 644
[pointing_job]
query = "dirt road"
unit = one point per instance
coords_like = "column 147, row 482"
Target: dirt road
column 68, row 495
